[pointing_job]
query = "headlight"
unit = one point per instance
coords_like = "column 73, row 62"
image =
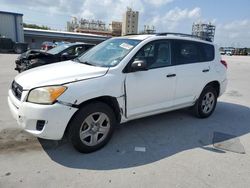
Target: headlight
column 45, row 95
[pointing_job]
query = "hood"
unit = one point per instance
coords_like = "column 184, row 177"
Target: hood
column 31, row 54
column 58, row 73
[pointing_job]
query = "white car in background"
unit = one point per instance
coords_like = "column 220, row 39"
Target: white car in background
column 229, row 53
column 119, row 80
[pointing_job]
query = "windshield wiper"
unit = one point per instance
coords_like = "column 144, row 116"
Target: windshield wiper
column 87, row 63
column 83, row 62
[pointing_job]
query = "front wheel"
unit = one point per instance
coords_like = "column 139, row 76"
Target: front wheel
column 92, row 127
column 206, row 103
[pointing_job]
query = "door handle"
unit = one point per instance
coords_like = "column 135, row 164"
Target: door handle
column 205, row 70
column 171, row 75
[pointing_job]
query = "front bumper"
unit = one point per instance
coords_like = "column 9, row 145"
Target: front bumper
column 56, row 117
column 21, row 65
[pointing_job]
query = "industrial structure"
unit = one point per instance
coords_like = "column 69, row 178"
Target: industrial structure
column 130, row 22
column 129, row 25
column 204, row 30
column 94, row 27
column 148, row 29
column 11, row 26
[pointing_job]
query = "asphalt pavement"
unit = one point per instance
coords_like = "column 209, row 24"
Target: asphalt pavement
column 168, row 150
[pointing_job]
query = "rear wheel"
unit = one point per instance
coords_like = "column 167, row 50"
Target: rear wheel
column 18, row 50
column 206, row 103
column 92, row 127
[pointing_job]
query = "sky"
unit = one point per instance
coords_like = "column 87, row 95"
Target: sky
column 231, row 18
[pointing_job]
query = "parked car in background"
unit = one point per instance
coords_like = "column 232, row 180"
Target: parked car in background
column 47, row 45
column 119, row 80
column 222, row 52
column 60, row 43
column 63, row 52
column 8, row 45
column 229, row 53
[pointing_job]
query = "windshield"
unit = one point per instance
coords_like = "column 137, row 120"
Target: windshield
column 58, row 49
column 109, row 53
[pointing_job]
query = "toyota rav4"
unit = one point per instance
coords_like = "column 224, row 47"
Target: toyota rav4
column 119, row 80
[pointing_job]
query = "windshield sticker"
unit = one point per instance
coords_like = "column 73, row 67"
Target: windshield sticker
column 126, row 46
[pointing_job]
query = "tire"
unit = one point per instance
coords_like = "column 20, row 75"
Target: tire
column 95, row 123
column 18, row 50
column 206, row 103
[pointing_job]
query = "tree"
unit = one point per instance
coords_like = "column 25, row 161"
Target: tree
column 34, row 26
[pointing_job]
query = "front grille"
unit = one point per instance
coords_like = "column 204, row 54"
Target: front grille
column 16, row 90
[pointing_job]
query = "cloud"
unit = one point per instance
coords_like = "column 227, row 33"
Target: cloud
column 108, row 10
column 158, row 3
column 235, row 33
column 158, row 13
column 176, row 17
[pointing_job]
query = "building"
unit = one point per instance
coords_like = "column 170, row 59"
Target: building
column 130, row 22
column 35, row 37
column 204, row 30
column 116, row 28
column 11, row 26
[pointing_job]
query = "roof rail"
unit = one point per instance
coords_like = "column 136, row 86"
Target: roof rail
column 184, row 35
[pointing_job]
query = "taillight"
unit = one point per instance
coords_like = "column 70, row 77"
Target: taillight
column 223, row 62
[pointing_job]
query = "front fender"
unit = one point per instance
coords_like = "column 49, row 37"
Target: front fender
column 81, row 91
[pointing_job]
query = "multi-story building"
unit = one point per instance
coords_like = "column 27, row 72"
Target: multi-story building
column 130, row 22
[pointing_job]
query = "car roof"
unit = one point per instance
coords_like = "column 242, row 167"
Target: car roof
column 180, row 36
column 137, row 37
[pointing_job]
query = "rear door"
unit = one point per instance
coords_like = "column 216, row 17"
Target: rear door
column 192, row 70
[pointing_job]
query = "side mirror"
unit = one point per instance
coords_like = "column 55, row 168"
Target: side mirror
column 139, row 65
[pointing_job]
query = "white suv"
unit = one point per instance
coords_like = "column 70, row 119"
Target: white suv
column 119, row 80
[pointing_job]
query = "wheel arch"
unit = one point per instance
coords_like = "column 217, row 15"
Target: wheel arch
column 109, row 100
column 216, row 85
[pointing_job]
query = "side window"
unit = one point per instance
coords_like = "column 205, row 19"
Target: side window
column 70, row 51
column 156, row 54
column 207, row 52
column 186, row 52
column 75, row 50
column 79, row 50
column 88, row 47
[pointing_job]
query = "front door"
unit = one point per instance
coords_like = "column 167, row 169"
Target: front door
column 151, row 90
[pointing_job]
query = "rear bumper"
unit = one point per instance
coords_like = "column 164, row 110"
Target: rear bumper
column 56, row 117
column 223, row 86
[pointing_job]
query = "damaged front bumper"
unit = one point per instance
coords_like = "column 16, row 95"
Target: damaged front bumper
column 41, row 120
column 21, row 65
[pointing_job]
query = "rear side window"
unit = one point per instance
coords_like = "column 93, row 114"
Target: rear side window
column 186, row 52
column 207, row 51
